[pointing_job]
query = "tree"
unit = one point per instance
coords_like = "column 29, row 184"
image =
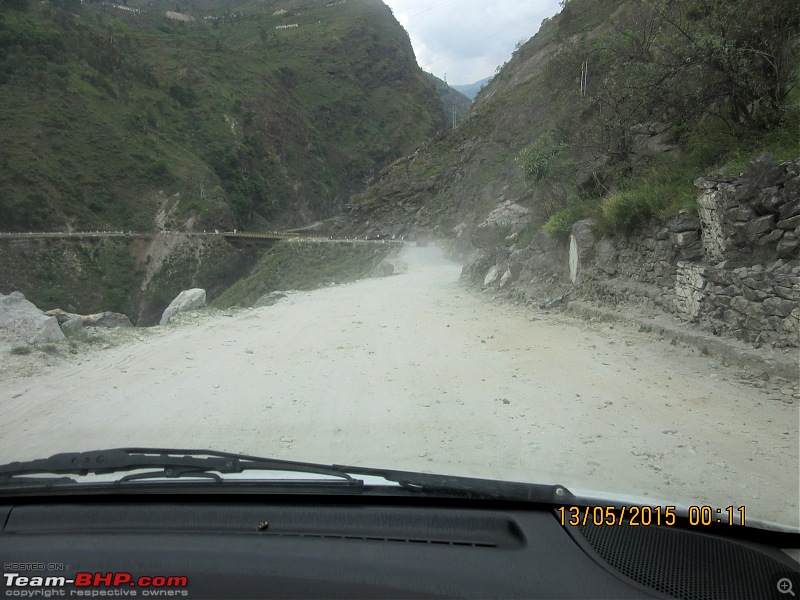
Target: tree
column 21, row 5
column 747, row 51
column 680, row 59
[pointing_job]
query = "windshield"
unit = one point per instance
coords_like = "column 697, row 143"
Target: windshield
column 268, row 230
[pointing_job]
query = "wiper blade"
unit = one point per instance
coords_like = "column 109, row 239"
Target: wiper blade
column 160, row 463
column 166, row 463
column 454, row 486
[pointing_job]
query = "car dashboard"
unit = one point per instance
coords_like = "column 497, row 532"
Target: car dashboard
column 207, row 546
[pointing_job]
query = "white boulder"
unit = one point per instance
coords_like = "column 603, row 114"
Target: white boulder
column 185, row 301
column 492, row 276
column 21, row 321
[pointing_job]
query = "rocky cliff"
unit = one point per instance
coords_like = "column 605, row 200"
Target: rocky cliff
column 546, row 147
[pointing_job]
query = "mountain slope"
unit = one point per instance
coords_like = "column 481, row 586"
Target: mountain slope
column 244, row 118
column 656, row 113
column 214, row 116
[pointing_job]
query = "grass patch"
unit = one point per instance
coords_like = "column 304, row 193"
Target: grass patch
column 562, row 221
column 21, row 350
column 667, row 186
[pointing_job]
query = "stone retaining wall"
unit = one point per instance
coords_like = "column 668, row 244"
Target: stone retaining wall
column 733, row 268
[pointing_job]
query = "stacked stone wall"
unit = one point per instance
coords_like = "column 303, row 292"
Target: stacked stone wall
column 733, row 267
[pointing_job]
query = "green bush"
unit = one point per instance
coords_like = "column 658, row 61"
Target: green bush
column 663, row 191
column 157, row 171
column 561, row 222
column 536, row 160
column 183, row 95
column 624, row 211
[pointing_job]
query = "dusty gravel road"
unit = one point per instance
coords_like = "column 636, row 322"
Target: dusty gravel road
column 415, row 372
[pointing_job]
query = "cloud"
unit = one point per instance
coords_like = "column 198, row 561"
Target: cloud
column 468, row 39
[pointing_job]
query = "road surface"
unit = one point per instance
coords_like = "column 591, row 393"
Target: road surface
column 415, row 372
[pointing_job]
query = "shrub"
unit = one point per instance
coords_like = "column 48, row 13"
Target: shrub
column 561, row 222
column 624, row 211
column 157, row 171
column 664, row 191
column 183, row 95
column 536, row 160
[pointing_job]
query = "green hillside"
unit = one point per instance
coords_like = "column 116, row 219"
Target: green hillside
column 108, row 111
column 674, row 90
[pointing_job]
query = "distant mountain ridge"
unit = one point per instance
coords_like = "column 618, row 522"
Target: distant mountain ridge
column 470, row 90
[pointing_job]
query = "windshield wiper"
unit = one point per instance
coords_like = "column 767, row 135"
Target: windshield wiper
column 163, row 463
column 454, row 486
column 136, row 464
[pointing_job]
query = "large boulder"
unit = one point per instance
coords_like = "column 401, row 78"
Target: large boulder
column 605, row 253
column 764, row 172
column 506, row 219
column 549, row 256
column 104, row 319
column 476, row 269
column 492, row 276
column 73, row 329
column 652, row 140
column 21, row 321
column 581, row 247
column 185, row 301
column 269, row 299
column 391, row 265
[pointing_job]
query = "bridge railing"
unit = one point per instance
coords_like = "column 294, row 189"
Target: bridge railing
column 254, row 235
column 274, row 235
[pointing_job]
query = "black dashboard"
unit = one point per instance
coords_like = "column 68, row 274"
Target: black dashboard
column 342, row 547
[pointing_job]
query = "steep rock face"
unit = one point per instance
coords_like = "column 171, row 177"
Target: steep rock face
column 732, row 268
column 452, row 183
column 742, row 280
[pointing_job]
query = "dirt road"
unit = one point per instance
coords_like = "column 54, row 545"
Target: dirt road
column 414, row 372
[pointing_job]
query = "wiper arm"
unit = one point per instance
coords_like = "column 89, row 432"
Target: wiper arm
column 468, row 487
column 169, row 463
column 160, row 463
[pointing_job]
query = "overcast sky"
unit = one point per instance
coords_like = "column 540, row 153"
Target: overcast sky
column 468, row 39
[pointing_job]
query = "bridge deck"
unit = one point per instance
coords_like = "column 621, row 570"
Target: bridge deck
column 228, row 235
